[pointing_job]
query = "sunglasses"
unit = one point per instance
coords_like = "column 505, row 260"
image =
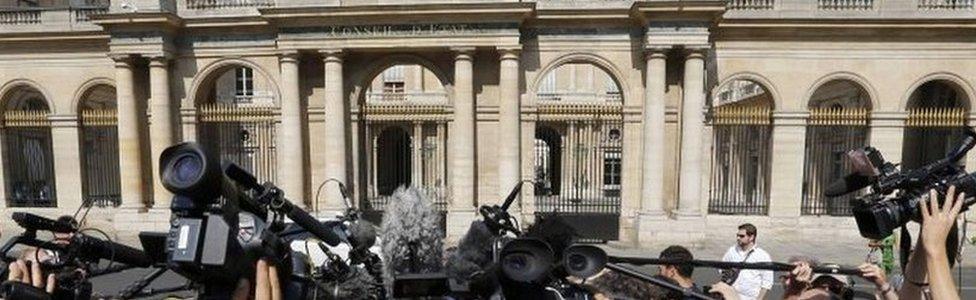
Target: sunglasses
column 740, row 235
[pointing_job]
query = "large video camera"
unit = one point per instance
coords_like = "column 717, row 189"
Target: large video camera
column 73, row 257
column 894, row 194
column 221, row 224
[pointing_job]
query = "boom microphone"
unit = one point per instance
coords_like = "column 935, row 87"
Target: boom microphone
column 849, row 183
column 34, row 222
column 96, row 248
column 296, row 214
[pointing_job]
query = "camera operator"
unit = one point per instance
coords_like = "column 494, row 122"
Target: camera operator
column 679, row 273
column 937, row 221
column 27, row 269
column 266, row 285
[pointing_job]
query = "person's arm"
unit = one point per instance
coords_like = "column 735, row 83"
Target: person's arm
column 797, row 281
column 876, row 275
column 727, row 292
column 915, row 275
column 765, row 277
column 937, row 221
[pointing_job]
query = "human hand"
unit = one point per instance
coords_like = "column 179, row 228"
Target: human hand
column 874, row 273
column 938, row 220
column 266, row 285
column 725, row 290
column 29, row 272
column 799, row 278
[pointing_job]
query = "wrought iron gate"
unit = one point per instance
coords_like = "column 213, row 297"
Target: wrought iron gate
column 931, row 133
column 831, row 133
column 243, row 135
column 100, row 158
column 578, row 175
column 28, row 159
column 740, row 170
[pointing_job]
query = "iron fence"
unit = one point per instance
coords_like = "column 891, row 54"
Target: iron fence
column 931, row 133
column 100, row 158
column 243, row 135
column 831, row 133
column 28, row 159
column 741, row 161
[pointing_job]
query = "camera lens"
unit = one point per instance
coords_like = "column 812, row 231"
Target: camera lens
column 517, row 261
column 187, row 169
column 576, row 262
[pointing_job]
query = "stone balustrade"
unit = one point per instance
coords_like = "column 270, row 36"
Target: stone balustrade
column 751, row 4
column 219, row 4
column 946, row 4
column 20, row 16
column 845, row 4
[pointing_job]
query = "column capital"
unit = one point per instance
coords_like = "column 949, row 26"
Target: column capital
column 695, row 52
column 289, row 56
column 509, row 53
column 463, row 53
column 159, row 61
column 332, row 55
column 656, row 52
column 122, row 59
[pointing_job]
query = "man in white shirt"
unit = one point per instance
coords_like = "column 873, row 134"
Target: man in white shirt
column 750, row 284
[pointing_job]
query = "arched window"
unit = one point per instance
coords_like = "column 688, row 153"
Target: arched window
column 238, row 119
column 838, row 123
column 578, row 142
column 99, row 147
column 936, row 113
column 742, row 126
column 27, row 157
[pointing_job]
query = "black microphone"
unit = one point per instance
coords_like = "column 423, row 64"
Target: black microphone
column 511, row 196
column 296, row 214
column 96, row 248
column 34, row 222
column 849, row 183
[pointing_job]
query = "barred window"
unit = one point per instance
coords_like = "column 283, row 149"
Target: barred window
column 244, row 81
column 99, row 147
column 28, row 159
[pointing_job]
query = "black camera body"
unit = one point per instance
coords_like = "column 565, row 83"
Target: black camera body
column 894, row 194
column 218, row 231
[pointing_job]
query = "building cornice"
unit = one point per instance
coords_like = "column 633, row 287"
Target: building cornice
column 848, row 23
column 485, row 12
column 147, row 19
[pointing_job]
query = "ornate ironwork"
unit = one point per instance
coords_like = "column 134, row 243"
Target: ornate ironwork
column 28, row 159
column 740, row 171
column 831, row 132
column 100, row 158
column 244, row 135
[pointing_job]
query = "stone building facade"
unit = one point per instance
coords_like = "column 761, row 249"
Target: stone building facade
column 647, row 120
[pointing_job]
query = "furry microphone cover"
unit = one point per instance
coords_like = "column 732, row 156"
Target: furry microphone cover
column 411, row 236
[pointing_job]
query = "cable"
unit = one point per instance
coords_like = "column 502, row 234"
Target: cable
column 107, row 238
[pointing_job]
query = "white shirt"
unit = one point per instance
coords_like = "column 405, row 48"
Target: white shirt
column 750, row 282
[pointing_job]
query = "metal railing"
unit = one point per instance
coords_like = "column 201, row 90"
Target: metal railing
column 751, row 4
column 100, row 158
column 243, row 135
column 931, row 133
column 845, row 4
column 945, row 4
column 741, row 163
column 579, row 97
column 20, row 16
column 407, row 98
column 28, row 159
column 831, row 132
column 218, row 4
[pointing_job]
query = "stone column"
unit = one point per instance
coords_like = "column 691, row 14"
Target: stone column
column 67, row 156
column 162, row 132
column 291, row 152
column 335, row 129
column 462, row 138
column 692, row 126
column 509, row 135
column 130, row 154
column 652, row 185
column 417, row 147
column 786, row 178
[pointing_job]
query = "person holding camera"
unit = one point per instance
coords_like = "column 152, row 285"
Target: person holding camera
column 750, row 284
column 927, row 274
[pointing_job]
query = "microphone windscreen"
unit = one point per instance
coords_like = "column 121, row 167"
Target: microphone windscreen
column 413, row 241
column 362, row 234
column 849, row 183
column 473, row 253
